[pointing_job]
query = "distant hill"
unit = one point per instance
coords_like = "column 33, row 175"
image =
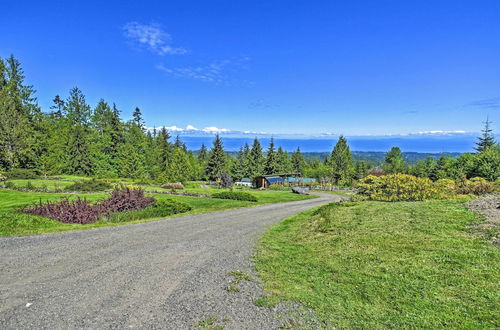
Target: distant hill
column 376, row 157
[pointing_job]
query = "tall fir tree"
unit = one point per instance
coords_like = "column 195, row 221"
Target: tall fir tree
column 394, row 161
column 137, row 118
column 203, row 154
column 18, row 111
column 341, row 162
column 298, row 162
column 486, row 140
column 256, row 160
column 78, row 112
column 216, row 164
column 271, row 165
column 283, row 161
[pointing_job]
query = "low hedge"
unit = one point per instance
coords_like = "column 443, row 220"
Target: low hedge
column 21, row 173
column 235, row 195
column 160, row 208
column 91, row 185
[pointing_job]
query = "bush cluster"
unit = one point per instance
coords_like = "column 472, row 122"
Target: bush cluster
column 89, row 186
column 81, row 211
column 175, row 186
column 399, row 187
column 21, row 173
column 403, row 187
column 160, row 208
column 235, row 195
column 476, row 186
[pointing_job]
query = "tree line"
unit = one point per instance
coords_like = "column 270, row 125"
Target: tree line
column 75, row 138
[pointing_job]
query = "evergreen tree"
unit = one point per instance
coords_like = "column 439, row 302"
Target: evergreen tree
column 216, row 164
column 78, row 148
column 394, row 161
column 271, row 165
column 256, row 160
column 341, row 162
column 137, row 118
column 361, row 167
column 486, row 140
column 18, row 111
column 179, row 167
column 163, row 152
column 298, row 162
column 283, row 161
column 203, row 154
column 179, row 144
column 58, row 106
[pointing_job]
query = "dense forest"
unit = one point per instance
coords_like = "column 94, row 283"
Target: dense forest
column 73, row 137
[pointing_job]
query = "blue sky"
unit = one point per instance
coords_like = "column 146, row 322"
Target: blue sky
column 311, row 67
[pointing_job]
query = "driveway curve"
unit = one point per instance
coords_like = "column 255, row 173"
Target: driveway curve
column 168, row 274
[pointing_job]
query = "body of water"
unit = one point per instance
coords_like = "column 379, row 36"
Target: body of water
column 432, row 144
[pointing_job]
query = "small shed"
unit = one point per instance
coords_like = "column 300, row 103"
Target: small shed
column 264, row 181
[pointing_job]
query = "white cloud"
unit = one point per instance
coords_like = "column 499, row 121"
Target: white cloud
column 439, row 132
column 191, row 129
column 152, row 37
column 214, row 130
column 174, row 128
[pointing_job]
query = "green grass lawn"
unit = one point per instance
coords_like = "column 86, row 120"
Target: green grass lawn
column 384, row 265
column 14, row 224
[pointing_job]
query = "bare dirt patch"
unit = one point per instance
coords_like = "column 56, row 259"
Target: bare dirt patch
column 489, row 206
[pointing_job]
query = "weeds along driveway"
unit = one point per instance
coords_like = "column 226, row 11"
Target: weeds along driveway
column 162, row 274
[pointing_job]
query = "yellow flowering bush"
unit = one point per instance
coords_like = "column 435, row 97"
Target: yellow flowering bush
column 402, row 187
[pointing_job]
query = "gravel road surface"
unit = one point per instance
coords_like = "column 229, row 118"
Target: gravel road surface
column 169, row 274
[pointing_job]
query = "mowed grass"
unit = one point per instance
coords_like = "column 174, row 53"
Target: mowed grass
column 384, row 265
column 13, row 223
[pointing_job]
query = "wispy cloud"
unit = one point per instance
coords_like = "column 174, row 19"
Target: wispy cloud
column 216, row 71
column 152, row 37
column 493, row 103
column 212, row 72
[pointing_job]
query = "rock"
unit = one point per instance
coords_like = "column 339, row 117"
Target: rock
column 300, row 190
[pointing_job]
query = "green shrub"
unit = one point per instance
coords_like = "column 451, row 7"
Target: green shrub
column 21, row 173
column 400, row 187
column 160, row 208
column 89, row 186
column 476, row 186
column 236, row 195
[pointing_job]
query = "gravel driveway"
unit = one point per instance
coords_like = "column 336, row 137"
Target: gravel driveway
column 170, row 274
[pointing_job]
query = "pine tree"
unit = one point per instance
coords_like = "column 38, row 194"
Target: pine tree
column 179, row 144
column 137, row 118
column 394, row 161
column 78, row 148
column 283, row 161
column 216, row 164
column 486, row 140
column 203, row 154
column 271, row 164
column 163, row 152
column 298, row 162
column 341, row 162
column 18, row 111
column 256, row 160
column 58, row 107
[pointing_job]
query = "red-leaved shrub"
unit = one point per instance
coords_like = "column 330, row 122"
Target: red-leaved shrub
column 80, row 211
column 77, row 211
column 126, row 199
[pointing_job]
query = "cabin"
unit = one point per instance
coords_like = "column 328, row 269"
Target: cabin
column 264, row 181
